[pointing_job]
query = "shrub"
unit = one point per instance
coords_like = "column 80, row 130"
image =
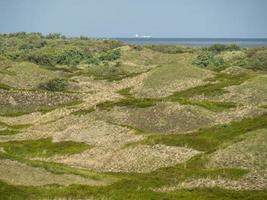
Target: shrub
column 233, row 47
column 42, row 57
column 208, row 59
column 108, row 71
column 170, row 49
column 234, row 58
column 54, row 85
column 204, row 59
column 257, row 59
column 217, row 48
column 92, row 60
column 33, row 44
column 137, row 47
column 49, row 57
column 217, row 62
column 55, row 36
column 70, row 56
column 110, row 55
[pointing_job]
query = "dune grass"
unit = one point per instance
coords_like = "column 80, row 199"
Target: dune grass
column 212, row 105
column 81, row 192
column 128, row 185
column 4, row 86
column 216, row 87
column 83, row 111
column 209, row 139
column 138, row 186
column 128, row 102
column 220, row 81
column 6, row 129
column 42, row 148
column 168, row 65
column 23, row 110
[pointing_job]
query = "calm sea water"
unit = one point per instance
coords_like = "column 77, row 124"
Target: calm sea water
column 197, row 41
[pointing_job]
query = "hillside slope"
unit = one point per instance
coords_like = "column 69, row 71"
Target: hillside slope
column 98, row 119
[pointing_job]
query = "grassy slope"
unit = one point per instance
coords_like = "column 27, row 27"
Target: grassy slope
column 42, row 148
column 128, row 185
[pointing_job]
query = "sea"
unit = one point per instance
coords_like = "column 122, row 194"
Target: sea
column 198, row 42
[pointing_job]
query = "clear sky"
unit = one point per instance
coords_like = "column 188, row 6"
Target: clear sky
column 125, row 18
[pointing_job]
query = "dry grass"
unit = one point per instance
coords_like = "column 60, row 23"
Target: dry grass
column 16, row 173
column 141, row 158
column 250, row 153
column 25, row 75
column 167, row 79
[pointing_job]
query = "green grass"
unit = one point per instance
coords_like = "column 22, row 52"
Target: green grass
column 212, row 105
column 81, row 192
column 138, row 186
column 11, row 129
column 42, row 148
column 9, row 132
column 209, row 139
column 222, row 80
column 129, row 102
column 128, row 185
column 57, row 168
column 83, row 111
column 15, row 112
column 212, row 89
column 107, row 71
column 126, row 92
column 131, row 185
column 4, row 86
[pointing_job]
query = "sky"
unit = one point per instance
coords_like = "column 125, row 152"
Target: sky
column 125, row 18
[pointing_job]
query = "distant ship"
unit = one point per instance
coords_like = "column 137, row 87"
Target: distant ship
column 142, row 36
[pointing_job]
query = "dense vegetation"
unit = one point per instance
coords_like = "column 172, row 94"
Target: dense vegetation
column 219, row 57
column 54, row 85
column 55, row 49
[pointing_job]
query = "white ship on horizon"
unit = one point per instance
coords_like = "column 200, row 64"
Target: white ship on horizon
column 142, row 36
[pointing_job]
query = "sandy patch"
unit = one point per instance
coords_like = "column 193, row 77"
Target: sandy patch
column 250, row 153
column 141, row 158
column 162, row 118
column 252, row 181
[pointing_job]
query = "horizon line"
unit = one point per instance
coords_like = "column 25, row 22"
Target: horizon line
column 133, row 37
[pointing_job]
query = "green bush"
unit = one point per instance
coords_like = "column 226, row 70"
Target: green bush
column 43, row 148
column 51, row 57
column 234, row 58
column 29, row 45
column 110, row 55
column 70, row 56
column 209, row 59
column 107, row 56
column 217, row 48
column 56, row 49
column 42, row 57
column 170, row 49
column 92, row 60
column 54, row 85
column 55, row 36
column 204, row 59
column 108, row 72
column 257, row 59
